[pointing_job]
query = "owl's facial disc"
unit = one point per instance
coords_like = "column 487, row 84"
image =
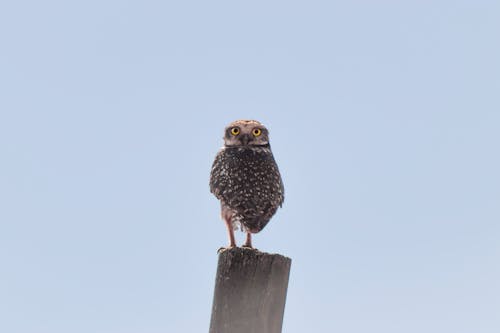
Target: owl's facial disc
column 247, row 133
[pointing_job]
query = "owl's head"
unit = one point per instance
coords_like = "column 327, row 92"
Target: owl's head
column 242, row 133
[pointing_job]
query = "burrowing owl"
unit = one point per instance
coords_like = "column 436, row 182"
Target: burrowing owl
column 246, row 179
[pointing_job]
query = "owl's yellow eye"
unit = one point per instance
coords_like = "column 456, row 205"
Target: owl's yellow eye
column 235, row 131
column 256, row 132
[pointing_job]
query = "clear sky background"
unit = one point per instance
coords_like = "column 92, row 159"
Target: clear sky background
column 384, row 119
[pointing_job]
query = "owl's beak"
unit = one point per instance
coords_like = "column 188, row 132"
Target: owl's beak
column 245, row 139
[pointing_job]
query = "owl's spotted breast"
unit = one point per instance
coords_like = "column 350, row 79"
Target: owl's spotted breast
column 248, row 182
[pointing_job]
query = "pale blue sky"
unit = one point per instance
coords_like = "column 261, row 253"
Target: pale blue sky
column 384, row 119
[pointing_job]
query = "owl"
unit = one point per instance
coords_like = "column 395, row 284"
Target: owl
column 246, row 179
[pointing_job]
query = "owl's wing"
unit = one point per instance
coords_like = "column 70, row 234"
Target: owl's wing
column 281, row 194
column 282, row 197
column 219, row 177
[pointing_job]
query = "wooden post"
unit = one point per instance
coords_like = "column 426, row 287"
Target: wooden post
column 250, row 292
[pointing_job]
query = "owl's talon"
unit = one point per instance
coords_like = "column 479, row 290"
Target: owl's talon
column 249, row 247
column 222, row 249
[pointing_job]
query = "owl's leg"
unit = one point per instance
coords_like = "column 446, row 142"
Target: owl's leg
column 227, row 216
column 248, row 242
column 229, row 225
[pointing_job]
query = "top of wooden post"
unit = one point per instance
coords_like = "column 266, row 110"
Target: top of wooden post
column 242, row 254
